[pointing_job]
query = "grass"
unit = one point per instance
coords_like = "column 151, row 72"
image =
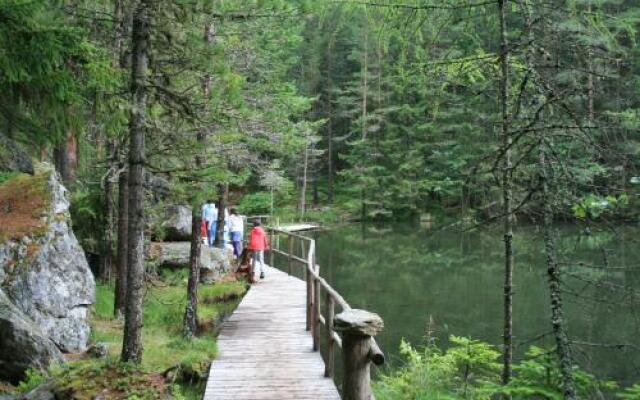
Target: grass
column 164, row 346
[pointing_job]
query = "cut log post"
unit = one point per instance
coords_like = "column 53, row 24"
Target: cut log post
column 358, row 327
column 290, row 243
column 316, row 314
column 309, row 296
column 271, row 247
column 328, row 329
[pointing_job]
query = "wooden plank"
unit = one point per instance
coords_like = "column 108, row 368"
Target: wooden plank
column 264, row 350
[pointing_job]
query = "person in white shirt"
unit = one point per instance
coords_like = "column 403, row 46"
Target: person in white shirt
column 236, row 227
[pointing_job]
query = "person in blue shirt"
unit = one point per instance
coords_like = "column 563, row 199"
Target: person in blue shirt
column 210, row 216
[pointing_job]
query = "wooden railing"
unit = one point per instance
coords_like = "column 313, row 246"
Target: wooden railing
column 357, row 328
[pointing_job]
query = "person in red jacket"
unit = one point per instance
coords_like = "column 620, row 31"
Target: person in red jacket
column 258, row 243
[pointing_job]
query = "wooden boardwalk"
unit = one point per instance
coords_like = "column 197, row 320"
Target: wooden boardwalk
column 264, row 351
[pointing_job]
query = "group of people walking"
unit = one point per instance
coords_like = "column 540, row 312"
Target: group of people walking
column 233, row 232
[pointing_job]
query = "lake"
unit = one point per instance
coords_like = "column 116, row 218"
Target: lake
column 450, row 283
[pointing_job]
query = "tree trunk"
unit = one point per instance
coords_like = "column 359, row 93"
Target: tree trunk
column 132, row 340
column 507, row 197
column 66, row 158
column 123, row 227
column 330, row 123
column 123, row 177
column 590, row 83
column 190, row 326
column 563, row 346
column 107, row 256
column 303, row 189
column 222, row 204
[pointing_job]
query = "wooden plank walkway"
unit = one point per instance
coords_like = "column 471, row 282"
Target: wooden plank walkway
column 264, row 350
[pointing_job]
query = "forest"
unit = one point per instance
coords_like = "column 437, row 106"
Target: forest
column 465, row 115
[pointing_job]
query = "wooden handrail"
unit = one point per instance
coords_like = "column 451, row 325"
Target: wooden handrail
column 362, row 348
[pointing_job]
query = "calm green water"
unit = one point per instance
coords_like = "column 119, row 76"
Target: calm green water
column 411, row 275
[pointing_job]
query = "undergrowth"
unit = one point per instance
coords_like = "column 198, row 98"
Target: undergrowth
column 470, row 369
column 164, row 346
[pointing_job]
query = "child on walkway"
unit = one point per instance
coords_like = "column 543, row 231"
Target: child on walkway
column 258, row 243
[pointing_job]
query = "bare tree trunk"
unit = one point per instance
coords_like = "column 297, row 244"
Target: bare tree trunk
column 365, row 94
column 123, row 227
column 107, row 257
column 222, row 205
column 563, row 346
column 590, row 83
column 303, row 190
column 507, row 198
column 330, row 122
column 132, row 339
column 365, row 78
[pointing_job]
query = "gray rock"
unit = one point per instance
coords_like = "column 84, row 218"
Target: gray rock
column 46, row 275
column 22, row 344
column 214, row 262
column 12, row 158
column 177, row 223
column 169, row 254
column 46, row 391
column 159, row 186
column 99, row 350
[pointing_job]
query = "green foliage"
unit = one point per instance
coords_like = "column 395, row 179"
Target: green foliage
column 46, row 66
column 33, row 379
column 257, row 203
column 163, row 313
column 595, row 206
column 463, row 371
column 86, row 211
column 630, row 393
column 5, row 176
column 538, row 375
column 470, row 369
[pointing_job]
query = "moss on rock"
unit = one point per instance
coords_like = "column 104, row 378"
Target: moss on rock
column 24, row 203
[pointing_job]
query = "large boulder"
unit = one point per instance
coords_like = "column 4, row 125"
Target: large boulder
column 12, row 157
column 214, row 262
column 177, row 223
column 23, row 345
column 43, row 269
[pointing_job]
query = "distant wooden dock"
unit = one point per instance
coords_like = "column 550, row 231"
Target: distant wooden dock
column 264, row 350
column 297, row 227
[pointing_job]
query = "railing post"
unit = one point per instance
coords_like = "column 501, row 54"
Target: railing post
column 358, row 327
column 271, row 247
column 290, row 245
column 316, row 311
column 329, row 311
column 308, row 275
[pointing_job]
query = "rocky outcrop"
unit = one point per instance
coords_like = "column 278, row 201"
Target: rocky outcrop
column 177, row 223
column 23, row 345
column 214, row 262
column 12, row 158
column 43, row 269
